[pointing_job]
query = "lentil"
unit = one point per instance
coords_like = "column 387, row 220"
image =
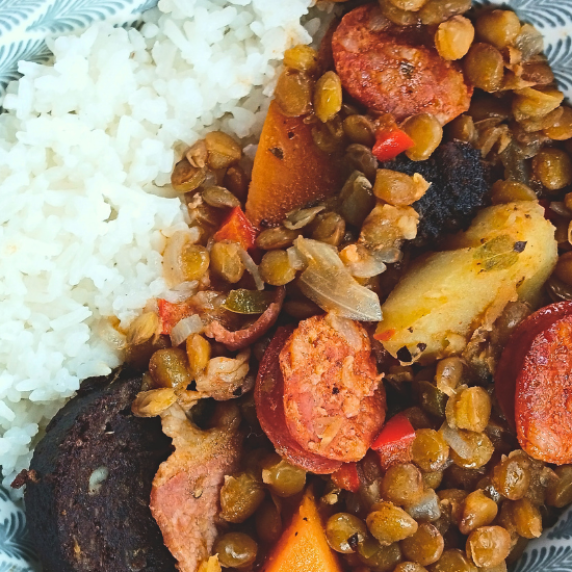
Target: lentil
column 498, row 27
column 344, row 531
column 484, row 67
column 429, row 451
column 488, row 546
column 328, row 96
column 425, row 547
column 236, row 550
column 454, row 38
column 226, row 261
column 240, row 496
column 275, row 268
column 282, row 478
column 426, row 132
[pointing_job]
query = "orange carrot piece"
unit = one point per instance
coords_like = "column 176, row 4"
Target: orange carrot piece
column 303, row 546
column 289, row 170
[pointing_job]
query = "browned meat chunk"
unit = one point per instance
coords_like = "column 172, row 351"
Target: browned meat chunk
column 185, row 493
column 393, row 69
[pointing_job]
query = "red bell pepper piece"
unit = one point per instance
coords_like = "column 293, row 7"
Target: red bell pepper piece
column 393, row 444
column 171, row 314
column 391, row 142
column 237, row 228
column 347, row 477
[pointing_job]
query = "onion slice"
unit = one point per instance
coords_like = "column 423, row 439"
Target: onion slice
column 251, row 267
column 328, row 283
column 180, row 293
column 185, row 328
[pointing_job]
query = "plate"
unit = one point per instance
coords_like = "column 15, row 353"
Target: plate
column 24, row 27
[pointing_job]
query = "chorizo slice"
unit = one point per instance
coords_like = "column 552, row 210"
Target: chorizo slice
column 243, row 338
column 395, row 69
column 535, row 369
column 268, row 396
column 513, row 356
column 333, row 399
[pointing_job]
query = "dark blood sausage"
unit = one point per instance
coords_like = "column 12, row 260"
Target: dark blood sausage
column 533, row 383
column 333, row 399
column 87, row 491
column 394, row 69
column 459, row 185
column 269, row 398
column 243, row 338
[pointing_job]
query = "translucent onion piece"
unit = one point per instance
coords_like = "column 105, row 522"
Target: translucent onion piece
column 455, row 440
column 530, row 42
column 251, row 267
column 185, row 328
column 328, row 283
column 111, row 335
column 362, row 263
column 172, row 255
column 300, row 218
column 295, row 259
column 180, row 293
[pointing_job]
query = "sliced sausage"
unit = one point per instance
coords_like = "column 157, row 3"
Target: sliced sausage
column 247, row 336
column 269, row 398
column 535, row 370
column 333, row 399
column 395, row 69
column 512, row 359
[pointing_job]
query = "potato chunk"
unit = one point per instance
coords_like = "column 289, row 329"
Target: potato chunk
column 507, row 254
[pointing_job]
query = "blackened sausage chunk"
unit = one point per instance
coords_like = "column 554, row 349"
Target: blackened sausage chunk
column 87, row 492
column 459, row 184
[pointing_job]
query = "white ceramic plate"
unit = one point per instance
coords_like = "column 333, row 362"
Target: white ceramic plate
column 24, row 25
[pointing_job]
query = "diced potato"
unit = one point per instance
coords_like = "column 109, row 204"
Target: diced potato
column 507, row 254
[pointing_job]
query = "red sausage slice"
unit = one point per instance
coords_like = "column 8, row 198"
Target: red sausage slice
column 243, row 338
column 333, row 399
column 512, row 359
column 536, row 366
column 268, row 395
column 394, row 69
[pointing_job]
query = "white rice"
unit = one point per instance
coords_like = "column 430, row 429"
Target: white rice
column 84, row 146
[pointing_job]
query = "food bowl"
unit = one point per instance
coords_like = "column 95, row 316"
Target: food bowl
column 24, row 28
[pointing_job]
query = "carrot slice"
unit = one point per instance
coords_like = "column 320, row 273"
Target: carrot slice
column 303, row 546
column 289, row 170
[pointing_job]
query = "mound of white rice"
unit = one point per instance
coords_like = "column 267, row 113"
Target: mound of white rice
column 84, row 144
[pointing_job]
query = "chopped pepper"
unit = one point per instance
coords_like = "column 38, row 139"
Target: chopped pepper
column 393, row 444
column 391, row 142
column 237, row 228
column 248, row 301
column 171, row 314
column 347, row 477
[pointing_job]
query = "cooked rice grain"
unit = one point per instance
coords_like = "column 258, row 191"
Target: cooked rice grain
column 87, row 146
